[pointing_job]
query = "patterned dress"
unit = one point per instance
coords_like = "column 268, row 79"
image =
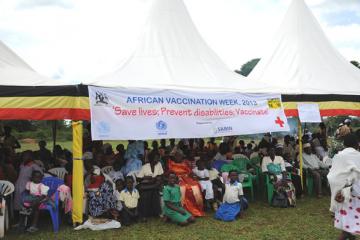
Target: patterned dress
column 348, row 217
column 283, row 185
column 102, row 201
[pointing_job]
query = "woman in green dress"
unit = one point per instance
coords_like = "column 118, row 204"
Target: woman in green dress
column 172, row 199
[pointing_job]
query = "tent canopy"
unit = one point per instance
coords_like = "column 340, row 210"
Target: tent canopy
column 171, row 54
column 301, row 60
column 25, row 94
column 302, row 64
column 15, row 72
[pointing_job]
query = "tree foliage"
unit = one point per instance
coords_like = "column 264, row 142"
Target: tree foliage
column 355, row 63
column 246, row 69
column 41, row 130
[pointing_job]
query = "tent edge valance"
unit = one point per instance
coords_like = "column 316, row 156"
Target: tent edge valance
column 44, row 103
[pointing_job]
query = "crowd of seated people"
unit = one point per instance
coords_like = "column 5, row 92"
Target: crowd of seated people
column 175, row 180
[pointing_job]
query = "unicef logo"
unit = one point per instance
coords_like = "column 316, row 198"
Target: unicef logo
column 103, row 127
column 161, row 125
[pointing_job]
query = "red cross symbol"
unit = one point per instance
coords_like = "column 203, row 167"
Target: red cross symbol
column 280, row 122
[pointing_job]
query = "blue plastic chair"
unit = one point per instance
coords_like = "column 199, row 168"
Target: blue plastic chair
column 53, row 183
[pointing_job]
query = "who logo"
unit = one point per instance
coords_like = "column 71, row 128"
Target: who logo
column 161, row 127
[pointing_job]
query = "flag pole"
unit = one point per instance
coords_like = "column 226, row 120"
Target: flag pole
column 78, row 175
column 300, row 152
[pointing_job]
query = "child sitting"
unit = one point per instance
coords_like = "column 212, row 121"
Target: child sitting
column 215, row 179
column 129, row 198
column 172, row 198
column 233, row 202
column 36, row 195
column 203, row 175
column 119, row 186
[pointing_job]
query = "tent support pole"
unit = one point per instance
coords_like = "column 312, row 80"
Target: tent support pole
column 300, row 153
column 54, row 132
column 78, row 176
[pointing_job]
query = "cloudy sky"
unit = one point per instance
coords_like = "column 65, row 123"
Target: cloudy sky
column 79, row 39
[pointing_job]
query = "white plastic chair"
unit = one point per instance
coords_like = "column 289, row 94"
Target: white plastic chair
column 6, row 189
column 107, row 169
column 59, row 172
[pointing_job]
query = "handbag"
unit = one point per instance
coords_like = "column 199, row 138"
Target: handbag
column 274, row 168
column 280, row 200
column 244, row 204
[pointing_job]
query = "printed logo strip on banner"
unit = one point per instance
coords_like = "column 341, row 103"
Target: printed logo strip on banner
column 144, row 114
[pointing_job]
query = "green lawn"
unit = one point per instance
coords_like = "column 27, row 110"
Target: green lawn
column 68, row 144
column 309, row 220
column 63, row 144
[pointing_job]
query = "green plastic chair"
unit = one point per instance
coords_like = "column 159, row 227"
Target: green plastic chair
column 241, row 162
column 255, row 163
column 248, row 183
column 269, row 188
column 309, row 182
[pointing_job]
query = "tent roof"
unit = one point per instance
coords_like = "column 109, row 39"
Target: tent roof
column 172, row 55
column 15, row 72
column 301, row 60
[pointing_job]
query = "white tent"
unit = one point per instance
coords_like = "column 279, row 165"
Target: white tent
column 15, row 72
column 301, row 60
column 171, row 54
column 25, row 94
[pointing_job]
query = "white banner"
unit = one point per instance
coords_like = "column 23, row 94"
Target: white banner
column 138, row 114
column 309, row 112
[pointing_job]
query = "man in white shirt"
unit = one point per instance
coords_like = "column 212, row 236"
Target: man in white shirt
column 315, row 167
column 276, row 160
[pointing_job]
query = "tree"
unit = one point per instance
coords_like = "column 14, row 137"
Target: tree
column 355, row 63
column 19, row 125
column 246, row 69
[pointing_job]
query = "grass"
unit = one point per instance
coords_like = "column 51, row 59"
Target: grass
column 63, row 144
column 68, row 144
column 309, row 220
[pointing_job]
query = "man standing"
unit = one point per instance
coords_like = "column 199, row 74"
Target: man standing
column 9, row 141
column 288, row 148
column 265, row 144
column 44, row 155
column 315, row 167
column 345, row 129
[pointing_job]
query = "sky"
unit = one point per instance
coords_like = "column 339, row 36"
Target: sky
column 74, row 40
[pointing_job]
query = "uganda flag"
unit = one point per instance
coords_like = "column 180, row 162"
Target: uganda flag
column 329, row 104
column 44, row 102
